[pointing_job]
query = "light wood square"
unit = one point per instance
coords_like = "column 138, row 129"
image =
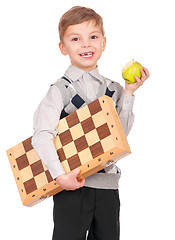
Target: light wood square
column 26, row 174
column 70, row 150
column 41, row 180
column 85, row 156
column 83, row 113
column 107, row 143
column 62, row 125
column 76, row 131
column 65, row 166
column 32, row 156
column 92, row 137
column 18, row 150
column 99, row 119
column 57, row 143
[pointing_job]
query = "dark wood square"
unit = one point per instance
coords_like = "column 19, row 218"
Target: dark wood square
column 96, row 149
column 81, row 143
column 87, row 125
column 72, row 119
column 22, row 162
column 65, row 137
column 48, row 175
column 37, row 168
column 94, row 107
column 61, row 154
column 103, row 131
column 74, row 162
column 27, row 144
column 30, row 186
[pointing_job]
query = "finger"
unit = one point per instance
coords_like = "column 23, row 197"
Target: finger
column 145, row 69
column 138, row 81
column 75, row 172
column 146, row 72
column 77, row 185
column 81, row 183
column 142, row 74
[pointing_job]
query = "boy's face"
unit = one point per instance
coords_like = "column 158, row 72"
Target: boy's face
column 84, row 44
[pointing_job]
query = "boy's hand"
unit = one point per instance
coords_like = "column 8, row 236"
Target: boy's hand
column 69, row 181
column 131, row 88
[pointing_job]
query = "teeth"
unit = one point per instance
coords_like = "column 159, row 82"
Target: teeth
column 86, row 54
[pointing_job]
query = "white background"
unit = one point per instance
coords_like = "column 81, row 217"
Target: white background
column 30, row 61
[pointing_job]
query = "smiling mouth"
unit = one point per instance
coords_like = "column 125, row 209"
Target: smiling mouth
column 87, row 54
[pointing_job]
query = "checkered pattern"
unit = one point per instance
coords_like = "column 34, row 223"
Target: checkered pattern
column 83, row 136
column 33, row 172
column 90, row 138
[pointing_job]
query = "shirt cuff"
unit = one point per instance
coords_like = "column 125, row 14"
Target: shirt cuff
column 48, row 155
column 56, row 169
column 126, row 102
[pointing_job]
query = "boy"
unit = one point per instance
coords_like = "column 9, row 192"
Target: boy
column 92, row 204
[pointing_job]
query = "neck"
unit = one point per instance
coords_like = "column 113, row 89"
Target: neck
column 86, row 69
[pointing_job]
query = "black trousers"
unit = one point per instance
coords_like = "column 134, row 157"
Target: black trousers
column 95, row 210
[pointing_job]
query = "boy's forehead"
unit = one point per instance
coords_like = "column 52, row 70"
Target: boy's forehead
column 90, row 26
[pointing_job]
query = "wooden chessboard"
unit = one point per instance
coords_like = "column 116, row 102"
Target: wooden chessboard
column 91, row 139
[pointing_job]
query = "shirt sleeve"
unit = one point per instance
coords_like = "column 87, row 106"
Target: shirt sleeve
column 46, row 119
column 124, row 108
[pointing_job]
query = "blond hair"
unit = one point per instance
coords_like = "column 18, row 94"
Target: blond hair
column 77, row 15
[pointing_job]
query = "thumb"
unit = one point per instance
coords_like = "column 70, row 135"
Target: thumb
column 81, row 183
column 76, row 171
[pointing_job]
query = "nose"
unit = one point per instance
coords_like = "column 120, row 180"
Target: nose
column 85, row 43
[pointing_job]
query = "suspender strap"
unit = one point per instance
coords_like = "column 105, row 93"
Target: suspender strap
column 62, row 87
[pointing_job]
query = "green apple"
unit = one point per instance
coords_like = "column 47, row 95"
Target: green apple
column 131, row 69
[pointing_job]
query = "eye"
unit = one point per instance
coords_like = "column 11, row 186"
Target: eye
column 75, row 39
column 93, row 37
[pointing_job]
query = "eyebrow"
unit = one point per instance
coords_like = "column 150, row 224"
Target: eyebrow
column 96, row 31
column 73, row 34
column 78, row 34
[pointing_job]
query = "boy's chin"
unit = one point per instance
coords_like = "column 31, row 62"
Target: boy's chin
column 89, row 69
column 86, row 68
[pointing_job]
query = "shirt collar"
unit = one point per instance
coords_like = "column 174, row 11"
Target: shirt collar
column 95, row 73
column 74, row 73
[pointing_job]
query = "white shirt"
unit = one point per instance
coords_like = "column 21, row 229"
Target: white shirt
column 48, row 113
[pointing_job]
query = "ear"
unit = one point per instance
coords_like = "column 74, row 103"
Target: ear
column 104, row 43
column 62, row 48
